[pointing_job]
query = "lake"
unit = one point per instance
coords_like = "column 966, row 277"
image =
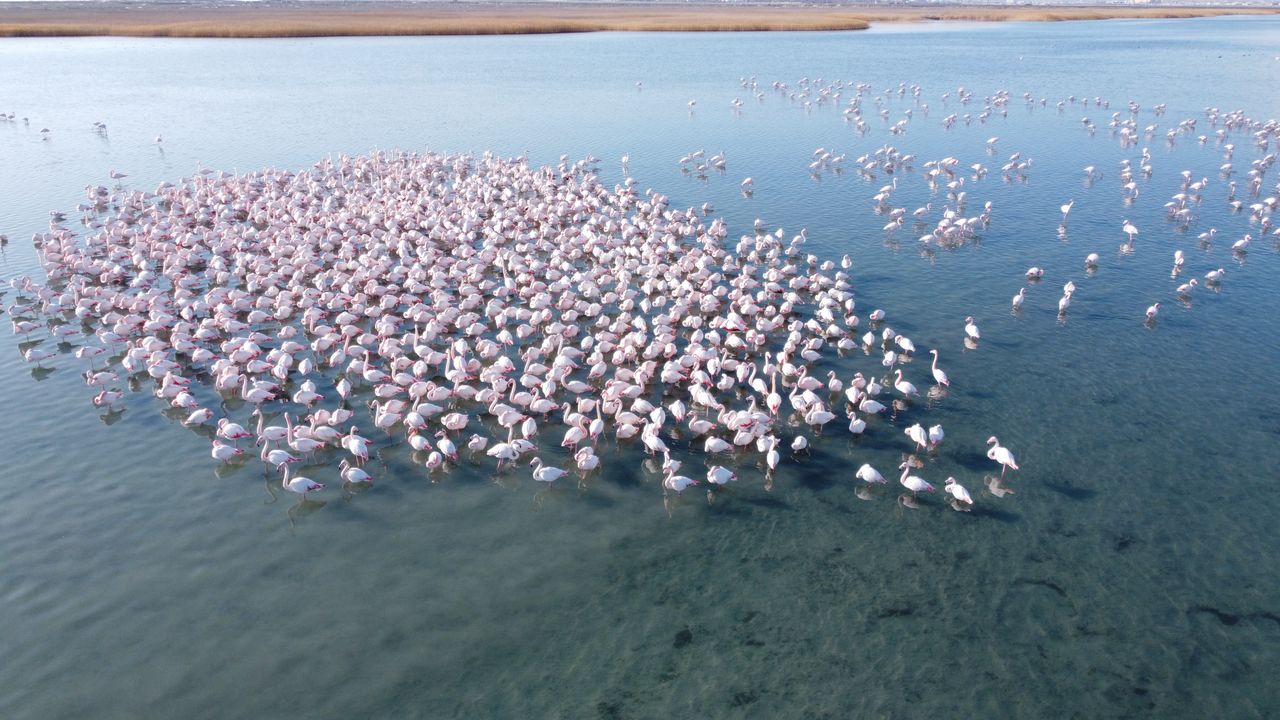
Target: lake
column 1131, row 572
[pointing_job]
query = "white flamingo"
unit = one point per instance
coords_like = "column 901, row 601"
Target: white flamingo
column 1001, row 455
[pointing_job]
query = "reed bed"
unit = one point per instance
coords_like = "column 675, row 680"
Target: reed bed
column 333, row 19
column 293, row 21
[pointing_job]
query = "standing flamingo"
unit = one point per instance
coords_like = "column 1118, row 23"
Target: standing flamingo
column 300, row 485
column 1001, row 455
column 939, row 376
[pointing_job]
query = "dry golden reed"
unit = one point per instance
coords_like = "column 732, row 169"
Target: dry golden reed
column 330, row 19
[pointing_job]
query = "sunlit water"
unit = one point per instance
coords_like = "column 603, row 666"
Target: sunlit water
column 1132, row 571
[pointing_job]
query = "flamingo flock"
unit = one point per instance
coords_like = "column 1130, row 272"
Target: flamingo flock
column 454, row 301
column 954, row 229
column 473, row 307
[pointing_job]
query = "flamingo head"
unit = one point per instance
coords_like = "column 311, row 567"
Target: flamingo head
column 993, row 440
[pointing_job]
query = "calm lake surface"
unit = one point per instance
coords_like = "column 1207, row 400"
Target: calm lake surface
column 1133, row 572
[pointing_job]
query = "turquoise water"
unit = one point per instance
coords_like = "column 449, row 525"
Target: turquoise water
column 1130, row 574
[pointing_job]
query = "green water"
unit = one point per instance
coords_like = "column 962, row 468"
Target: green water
column 1130, row 574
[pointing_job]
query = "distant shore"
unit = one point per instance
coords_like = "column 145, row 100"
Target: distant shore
column 316, row 19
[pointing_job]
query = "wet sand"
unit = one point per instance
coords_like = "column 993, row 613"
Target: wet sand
column 309, row 19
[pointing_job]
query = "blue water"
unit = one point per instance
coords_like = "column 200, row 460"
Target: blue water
column 1132, row 573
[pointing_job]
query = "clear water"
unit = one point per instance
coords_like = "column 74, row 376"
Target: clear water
column 1133, row 571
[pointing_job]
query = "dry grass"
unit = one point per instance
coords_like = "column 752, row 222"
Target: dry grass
column 327, row 19
column 53, row 19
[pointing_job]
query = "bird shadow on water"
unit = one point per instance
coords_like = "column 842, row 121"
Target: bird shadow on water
column 230, row 468
column 623, row 476
column 975, row 461
column 40, row 373
column 816, row 469
column 302, row 509
column 768, row 502
column 350, row 491
column 997, row 514
column 296, row 512
column 594, row 499
column 726, row 503
column 1069, row 491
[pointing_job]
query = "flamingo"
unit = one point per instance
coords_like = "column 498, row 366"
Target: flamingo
column 504, row 452
column 353, row 475
column 418, row 441
column 871, row 407
column 300, row 485
column 1017, row 299
column 107, row 398
column 670, row 465
column 936, row 435
column 434, row 462
column 911, row 482
column 718, row 475
column 939, row 377
column 907, row 389
column 870, row 475
column 857, row 425
column 223, row 452
column 446, row 446
column 818, row 416
column 716, row 445
column 545, row 474
column 799, row 443
column 228, row 430
column 277, row 458
column 586, row 460
column 354, row 444
column 653, row 444
column 270, row 433
column 677, row 483
column 957, row 491
column 254, row 395
column 917, row 435
column 1001, row 455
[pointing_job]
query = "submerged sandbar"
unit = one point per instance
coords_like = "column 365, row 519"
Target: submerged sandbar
column 278, row 18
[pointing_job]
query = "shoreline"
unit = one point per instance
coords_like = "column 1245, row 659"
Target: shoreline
column 331, row 19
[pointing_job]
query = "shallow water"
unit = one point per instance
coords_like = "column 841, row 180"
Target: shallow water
column 1131, row 573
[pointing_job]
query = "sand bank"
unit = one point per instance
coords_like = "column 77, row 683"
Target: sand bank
column 310, row 19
